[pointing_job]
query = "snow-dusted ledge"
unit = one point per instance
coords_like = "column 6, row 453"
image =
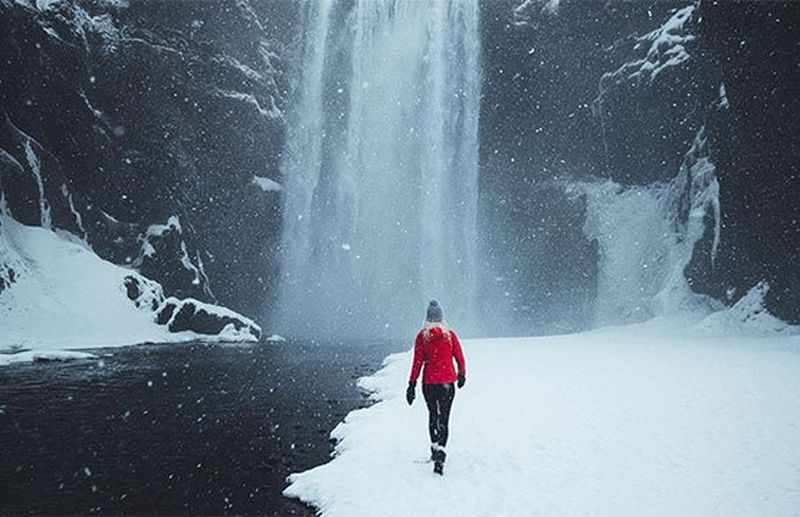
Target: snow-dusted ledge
column 57, row 294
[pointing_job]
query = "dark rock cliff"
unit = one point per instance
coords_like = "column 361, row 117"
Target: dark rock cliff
column 621, row 90
column 140, row 127
column 754, row 48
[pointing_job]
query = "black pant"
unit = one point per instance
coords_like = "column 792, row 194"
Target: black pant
column 439, row 398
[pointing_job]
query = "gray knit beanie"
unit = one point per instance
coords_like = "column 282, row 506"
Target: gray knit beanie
column 434, row 314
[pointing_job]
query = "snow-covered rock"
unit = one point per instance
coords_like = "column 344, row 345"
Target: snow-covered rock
column 528, row 10
column 747, row 316
column 143, row 292
column 57, row 293
column 64, row 295
column 206, row 319
column 664, row 47
column 65, row 20
column 164, row 252
column 657, row 87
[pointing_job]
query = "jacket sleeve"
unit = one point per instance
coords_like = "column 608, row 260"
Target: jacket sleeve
column 458, row 353
column 418, row 359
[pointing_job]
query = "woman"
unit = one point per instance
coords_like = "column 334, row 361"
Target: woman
column 435, row 347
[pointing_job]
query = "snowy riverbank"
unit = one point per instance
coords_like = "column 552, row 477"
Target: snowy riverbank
column 652, row 419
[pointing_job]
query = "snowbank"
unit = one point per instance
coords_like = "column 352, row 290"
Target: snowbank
column 31, row 356
column 56, row 293
column 643, row 419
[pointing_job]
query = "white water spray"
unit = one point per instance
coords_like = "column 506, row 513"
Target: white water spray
column 381, row 167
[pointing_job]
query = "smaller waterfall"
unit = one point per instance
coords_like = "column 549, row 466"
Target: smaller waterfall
column 633, row 238
column 646, row 237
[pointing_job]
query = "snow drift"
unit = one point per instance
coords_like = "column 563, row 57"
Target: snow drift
column 643, row 419
column 55, row 292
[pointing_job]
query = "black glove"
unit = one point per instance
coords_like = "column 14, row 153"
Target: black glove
column 410, row 394
column 461, row 381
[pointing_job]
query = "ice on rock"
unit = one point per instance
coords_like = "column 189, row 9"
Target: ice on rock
column 266, row 184
column 667, row 47
column 664, row 48
column 722, row 99
column 271, row 112
column 646, row 237
column 526, row 12
column 154, row 231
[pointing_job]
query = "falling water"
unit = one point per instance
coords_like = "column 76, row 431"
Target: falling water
column 381, row 167
column 647, row 236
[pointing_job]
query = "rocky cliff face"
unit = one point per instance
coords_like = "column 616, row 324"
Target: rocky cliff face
column 728, row 69
column 627, row 92
column 141, row 126
column 541, row 132
column 753, row 46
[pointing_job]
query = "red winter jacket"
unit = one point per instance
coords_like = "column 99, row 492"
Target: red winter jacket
column 436, row 348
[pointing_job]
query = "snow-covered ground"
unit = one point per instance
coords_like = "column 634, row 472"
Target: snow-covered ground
column 661, row 418
column 58, row 294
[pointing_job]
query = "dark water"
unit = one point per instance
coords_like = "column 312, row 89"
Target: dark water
column 180, row 429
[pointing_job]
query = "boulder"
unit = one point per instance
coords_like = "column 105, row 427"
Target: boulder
column 207, row 319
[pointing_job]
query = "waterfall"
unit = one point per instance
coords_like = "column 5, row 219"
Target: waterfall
column 381, row 167
column 646, row 237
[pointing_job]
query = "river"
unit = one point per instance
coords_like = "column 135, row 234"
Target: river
column 168, row 429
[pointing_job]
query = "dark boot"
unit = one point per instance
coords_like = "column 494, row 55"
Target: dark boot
column 438, row 459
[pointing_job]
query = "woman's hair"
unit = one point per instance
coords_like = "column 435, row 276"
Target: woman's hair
column 428, row 326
